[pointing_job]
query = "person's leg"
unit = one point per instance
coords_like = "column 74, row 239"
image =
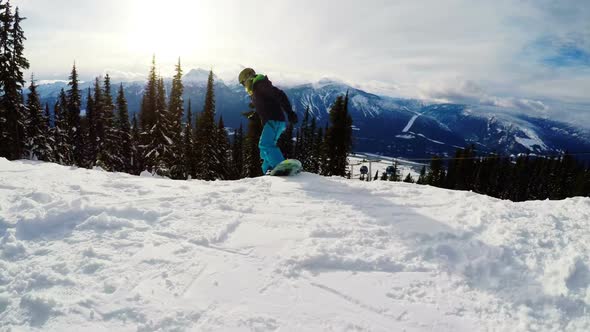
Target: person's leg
column 266, row 138
column 269, row 152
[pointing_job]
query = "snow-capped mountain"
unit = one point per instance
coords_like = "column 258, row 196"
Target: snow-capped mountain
column 390, row 126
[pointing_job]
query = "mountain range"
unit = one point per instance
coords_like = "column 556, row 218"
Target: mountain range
column 406, row 128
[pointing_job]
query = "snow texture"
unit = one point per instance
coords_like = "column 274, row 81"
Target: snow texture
column 83, row 250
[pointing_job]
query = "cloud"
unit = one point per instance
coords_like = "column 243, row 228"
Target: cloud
column 520, row 53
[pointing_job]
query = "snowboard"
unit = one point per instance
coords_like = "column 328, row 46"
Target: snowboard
column 287, row 167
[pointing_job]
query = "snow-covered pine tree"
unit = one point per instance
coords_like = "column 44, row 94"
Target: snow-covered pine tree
column 73, row 117
column 206, row 130
column 175, row 114
column 188, row 146
column 159, row 148
column 123, row 146
column 422, row 177
column 317, row 151
column 409, row 178
column 220, row 166
column 91, row 140
column 49, row 132
column 62, row 150
column 36, row 147
column 12, row 65
column 99, row 123
column 137, row 164
column 339, row 137
column 111, row 159
column 237, row 154
column 305, row 141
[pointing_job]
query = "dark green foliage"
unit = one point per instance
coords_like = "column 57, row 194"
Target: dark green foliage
column 409, row 178
column 137, row 163
column 188, row 146
column 339, row 138
column 237, row 158
column 62, row 149
column 159, row 146
column 175, row 113
column 36, row 145
column 75, row 132
column 109, row 159
column 122, row 126
column 13, row 63
column 436, row 173
column 422, row 177
column 220, row 166
column 517, row 179
column 91, row 139
column 206, row 136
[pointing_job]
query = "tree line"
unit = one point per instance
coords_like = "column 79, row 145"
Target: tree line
column 520, row 178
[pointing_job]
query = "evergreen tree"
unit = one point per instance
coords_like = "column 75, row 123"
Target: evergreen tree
column 188, row 155
column 159, row 147
column 206, row 130
column 100, row 127
column 107, row 153
column 91, row 141
column 12, row 65
column 37, row 147
column 137, row 163
column 339, row 138
column 422, row 178
column 73, row 117
column 220, row 166
column 436, row 173
column 304, row 151
column 62, row 149
column 317, row 151
column 175, row 114
column 147, row 116
column 237, row 160
column 409, row 178
column 124, row 145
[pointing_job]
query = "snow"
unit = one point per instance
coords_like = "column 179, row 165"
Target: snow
column 531, row 141
column 410, row 123
column 96, row 251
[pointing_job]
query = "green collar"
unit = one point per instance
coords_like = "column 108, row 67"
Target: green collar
column 249, row 84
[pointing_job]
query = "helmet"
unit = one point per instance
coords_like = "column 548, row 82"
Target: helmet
column 245, row 75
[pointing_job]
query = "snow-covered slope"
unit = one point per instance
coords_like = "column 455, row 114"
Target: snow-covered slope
column 84, row 250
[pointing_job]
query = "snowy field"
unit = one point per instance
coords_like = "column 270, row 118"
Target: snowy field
column 85, row 250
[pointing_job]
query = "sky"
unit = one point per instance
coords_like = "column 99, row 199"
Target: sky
column 530, row 55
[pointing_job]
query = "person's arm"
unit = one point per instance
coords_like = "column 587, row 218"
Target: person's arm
column 283, row 100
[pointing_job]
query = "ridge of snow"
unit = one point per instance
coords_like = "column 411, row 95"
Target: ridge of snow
column 109, row 251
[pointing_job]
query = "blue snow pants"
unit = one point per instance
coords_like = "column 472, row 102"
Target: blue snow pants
column 270, row 153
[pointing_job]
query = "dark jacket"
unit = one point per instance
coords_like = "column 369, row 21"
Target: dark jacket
column 270, row 102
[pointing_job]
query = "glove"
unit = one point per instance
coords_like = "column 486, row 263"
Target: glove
column 292, row 117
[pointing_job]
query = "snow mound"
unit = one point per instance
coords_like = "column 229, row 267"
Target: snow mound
column 91, row 250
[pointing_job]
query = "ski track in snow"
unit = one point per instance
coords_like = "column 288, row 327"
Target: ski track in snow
column 90, row 250
column 410, row 123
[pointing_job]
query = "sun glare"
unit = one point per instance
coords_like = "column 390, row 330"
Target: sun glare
column 168, row 29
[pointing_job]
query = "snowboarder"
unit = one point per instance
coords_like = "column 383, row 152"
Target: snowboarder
column 270, row 104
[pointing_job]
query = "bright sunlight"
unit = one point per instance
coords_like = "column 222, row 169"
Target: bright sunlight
column 176, row 28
